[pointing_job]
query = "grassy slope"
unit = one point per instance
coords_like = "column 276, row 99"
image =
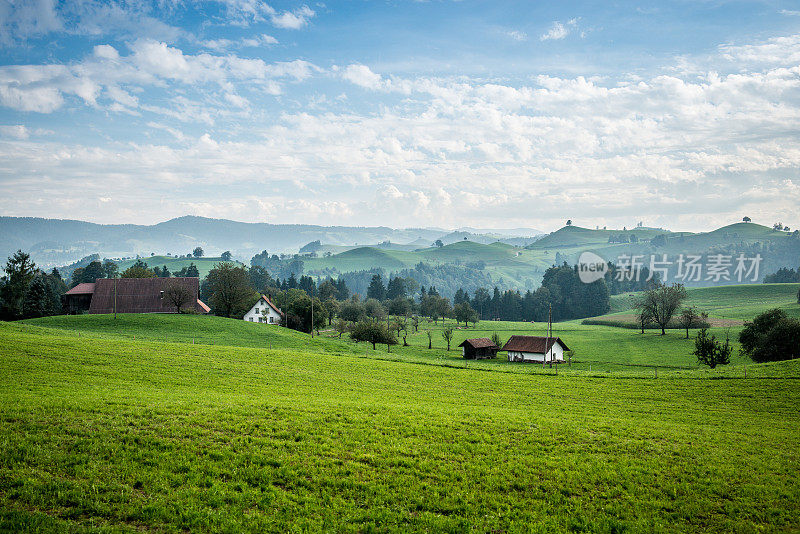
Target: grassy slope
column 143, row 435
column 174, row 264
column 742, row 302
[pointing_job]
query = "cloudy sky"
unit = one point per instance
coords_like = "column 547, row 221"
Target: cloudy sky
column 444, row 113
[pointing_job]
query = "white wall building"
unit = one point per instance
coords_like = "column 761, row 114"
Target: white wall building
column 264, row 311
column 535, row 349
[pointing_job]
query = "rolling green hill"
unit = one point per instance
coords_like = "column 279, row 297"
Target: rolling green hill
column 120, row 435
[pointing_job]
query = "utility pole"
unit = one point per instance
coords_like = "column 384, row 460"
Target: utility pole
column 115, row 298
column 312, row 313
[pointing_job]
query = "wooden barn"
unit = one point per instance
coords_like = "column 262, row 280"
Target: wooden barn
column 478, row 349
column 535, row 349
column 132, row 295
column 78, row 299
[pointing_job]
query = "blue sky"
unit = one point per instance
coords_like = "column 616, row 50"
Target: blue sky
column 484, row 114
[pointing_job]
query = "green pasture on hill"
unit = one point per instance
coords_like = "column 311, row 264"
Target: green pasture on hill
column 174, row 264
column 101, row 432
column 739, row 302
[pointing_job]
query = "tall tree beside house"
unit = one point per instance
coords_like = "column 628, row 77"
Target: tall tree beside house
column 260, row 279
column 20, row 271
column 90, row 273
column 189, row 271
column 297, row 305
column 198, row 252
column 307, row 284
column 229, row 287
column 177, row 295
column 138, row 270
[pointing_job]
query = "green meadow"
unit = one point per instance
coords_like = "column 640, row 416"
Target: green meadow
column 189, row 423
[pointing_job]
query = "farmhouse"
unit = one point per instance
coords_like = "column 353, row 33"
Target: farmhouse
column 479, row 348
column 131, row 295
column 535, row 349
column 264, row 311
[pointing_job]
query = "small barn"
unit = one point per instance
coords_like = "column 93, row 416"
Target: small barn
column 535, row 349
column 132, row 295
column 78, row 299
column 264, row 311
column 478, row 349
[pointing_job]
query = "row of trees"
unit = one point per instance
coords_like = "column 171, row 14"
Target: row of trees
column 27, row 291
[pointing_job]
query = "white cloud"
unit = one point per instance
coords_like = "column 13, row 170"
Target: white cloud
column 293, row 20
column 517, row 35
column 42, row 88
column 559, row 31
column 697, row 144
column 17, row 131
column 361, row 75
column 24, row 20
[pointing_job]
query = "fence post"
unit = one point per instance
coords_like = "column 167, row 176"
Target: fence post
column 656, row 372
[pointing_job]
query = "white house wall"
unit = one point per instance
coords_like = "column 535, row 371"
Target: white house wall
column 255, row 315
column 557, row 355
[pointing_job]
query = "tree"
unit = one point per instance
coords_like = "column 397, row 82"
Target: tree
column 711, row 352
column 415, row 323
column 569, row 222
column 464, row 312
column 689, row 318
column 373, row 333
column 496, row 339
column 438, row 243
column 20, row 271
column 396, row 288
column 400, row 306
column 772, row 336
column 376, row 289
column 327, row 290
column 198, row 252
column 340, row 326
column 138, row 270
column 430, row 338
column 447, row 334
column 352, row 311
column 178, row 295
column 230, row 290
column 226, row 256
column 190, row 271
column 660, row 303
column 297, row 306
column 746, row 219
column 374, row 309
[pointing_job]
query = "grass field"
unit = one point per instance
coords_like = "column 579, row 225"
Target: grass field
column 738, row 302
column 183, row 422
column 123, row 435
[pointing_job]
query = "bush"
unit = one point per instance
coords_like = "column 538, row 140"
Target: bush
column 771, row 337
column 711, row 352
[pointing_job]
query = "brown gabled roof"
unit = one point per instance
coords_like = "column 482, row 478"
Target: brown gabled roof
column 536, row 344
column 271, row 305
column 480, row 343
column 81, row 289
column 142, row 295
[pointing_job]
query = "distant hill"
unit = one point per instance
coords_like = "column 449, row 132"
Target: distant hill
column 54, row 242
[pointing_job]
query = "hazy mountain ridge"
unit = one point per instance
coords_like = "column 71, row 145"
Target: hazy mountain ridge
column 53, row 242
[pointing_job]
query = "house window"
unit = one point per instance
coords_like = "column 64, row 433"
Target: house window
column 272, row 319
column 251, row 319
column 256, row 310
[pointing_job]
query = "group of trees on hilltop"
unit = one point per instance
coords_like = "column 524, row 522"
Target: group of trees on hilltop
column 783, row 276
column 27, row 291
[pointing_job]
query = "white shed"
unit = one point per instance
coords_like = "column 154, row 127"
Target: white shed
column 535, row 349
column 264, row 311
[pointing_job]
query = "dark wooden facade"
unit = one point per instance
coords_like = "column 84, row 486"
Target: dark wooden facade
column 78, row 299
column 479, row 349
